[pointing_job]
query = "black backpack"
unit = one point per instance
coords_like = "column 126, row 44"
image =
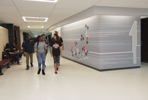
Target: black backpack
column 5, row 55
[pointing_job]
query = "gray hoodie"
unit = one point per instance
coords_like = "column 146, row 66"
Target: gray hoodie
column 41, row 47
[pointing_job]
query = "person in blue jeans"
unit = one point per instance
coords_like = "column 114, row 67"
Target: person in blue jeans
column 41, row 50
column 46, row 42
column 56, row 51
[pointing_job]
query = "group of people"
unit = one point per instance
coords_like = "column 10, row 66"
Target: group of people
column 41, row 49
column 40, row 46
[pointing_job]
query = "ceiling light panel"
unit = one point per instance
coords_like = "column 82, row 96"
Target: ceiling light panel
column 36, row 27
column 52, row 1
column 35, row 19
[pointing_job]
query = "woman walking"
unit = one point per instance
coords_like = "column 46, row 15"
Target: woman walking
column 41, row 49
column 56, row 51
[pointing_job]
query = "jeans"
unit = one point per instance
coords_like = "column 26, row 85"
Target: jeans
column 41, row 60
column 56, row 59
column 16, row 57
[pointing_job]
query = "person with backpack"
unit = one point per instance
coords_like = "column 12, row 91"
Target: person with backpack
column 28, row 49
column 41, row 50
column 56, row 51
column 46, row 42
column 11, row 54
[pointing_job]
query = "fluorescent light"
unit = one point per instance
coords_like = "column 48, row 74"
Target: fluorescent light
column 24, row 19
column 52, row 1
column 46, row 19
column 35, row 26
column 35, row 19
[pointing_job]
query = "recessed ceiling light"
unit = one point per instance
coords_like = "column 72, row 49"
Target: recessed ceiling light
column 52, row 1
column 35, row 19
column 37, row 27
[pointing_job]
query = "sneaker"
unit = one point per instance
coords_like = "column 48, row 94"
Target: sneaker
column 27, row 68
column 31, row 64
column 56, row 72
column 18, row 64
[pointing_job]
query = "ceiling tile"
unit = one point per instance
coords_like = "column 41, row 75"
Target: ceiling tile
column 34, row 14
column 140, row 5
column 8, row 9
column 12, row 18
column 117, row 3
column 35, row 24
column 34, row 6
column 6, row 2
column 62, row 12
column 76, row 4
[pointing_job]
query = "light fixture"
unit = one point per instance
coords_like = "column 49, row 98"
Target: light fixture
column 36, row 27
column 35, row 19
column 52, row 1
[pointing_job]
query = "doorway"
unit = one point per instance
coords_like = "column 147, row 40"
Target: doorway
column 144, row 40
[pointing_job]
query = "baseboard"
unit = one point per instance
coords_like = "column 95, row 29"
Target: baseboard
column 111, row 69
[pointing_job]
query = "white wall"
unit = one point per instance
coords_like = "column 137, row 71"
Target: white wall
column 3, row 39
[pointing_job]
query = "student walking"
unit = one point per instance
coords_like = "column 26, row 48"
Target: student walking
column 56, row 51
column 46, row 42
column 56, row 32
column 28, row 49
column 61, row 40
column 41, row 50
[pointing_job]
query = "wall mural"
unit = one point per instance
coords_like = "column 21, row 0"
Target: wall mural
column 82, row 52
column 104, row 42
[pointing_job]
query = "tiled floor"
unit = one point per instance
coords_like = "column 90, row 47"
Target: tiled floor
column 74, row 82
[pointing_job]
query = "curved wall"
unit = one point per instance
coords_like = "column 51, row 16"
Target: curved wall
column 104, row 41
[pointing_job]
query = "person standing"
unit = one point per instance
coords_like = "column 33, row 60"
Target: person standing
column 56, row 51
column 41, row 50
column 46, row 42
column 28, row 49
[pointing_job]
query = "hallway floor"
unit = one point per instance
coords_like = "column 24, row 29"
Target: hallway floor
column 73, row 82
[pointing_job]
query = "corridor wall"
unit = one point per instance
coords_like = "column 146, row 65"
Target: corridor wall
column 104, row 41
column 3, row 39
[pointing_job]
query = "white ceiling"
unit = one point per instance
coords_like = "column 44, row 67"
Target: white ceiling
column 11, row 11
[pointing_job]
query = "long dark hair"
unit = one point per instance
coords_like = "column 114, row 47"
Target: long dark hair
column 8, row 46
column 38, row 40
column 57, row 37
